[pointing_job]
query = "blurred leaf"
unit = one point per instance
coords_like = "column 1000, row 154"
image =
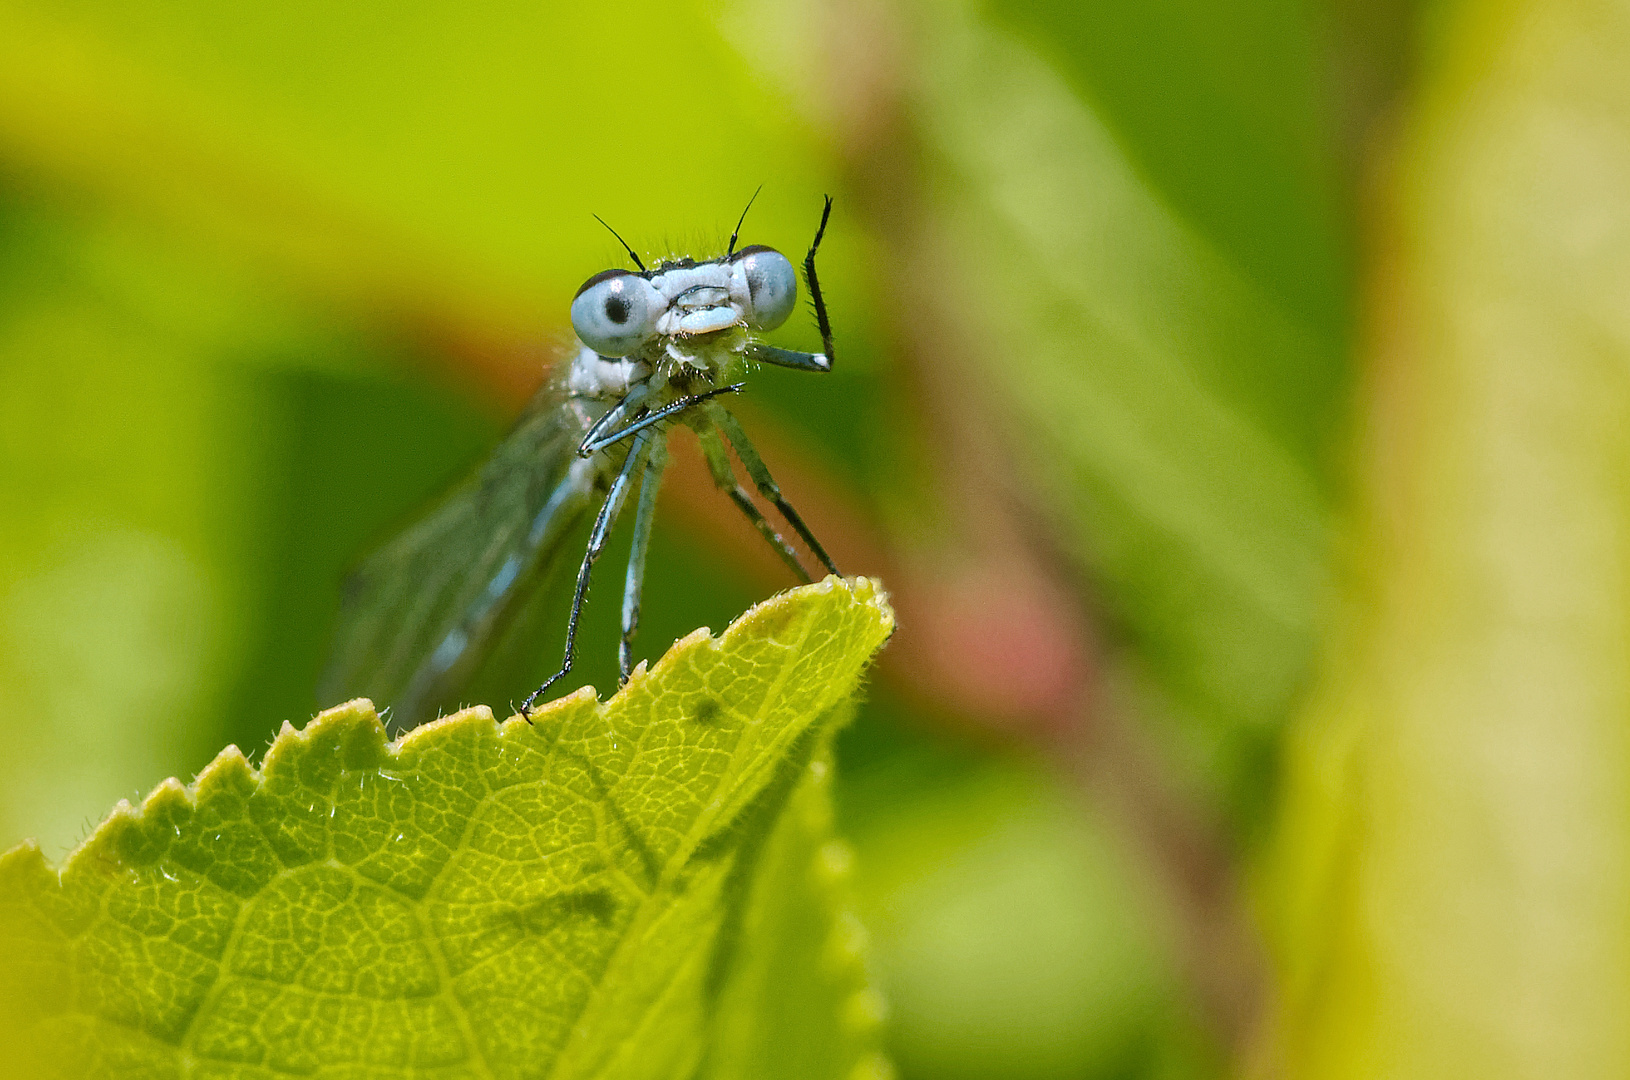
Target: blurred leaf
column 349, row 453
column 1225, row 110
column 1452, row 895
column 1011, row 935
column 148, row 395
column 1123, row 355
column 434, row 163
column 577, row 895
column 1164, row 402
column 124, row 498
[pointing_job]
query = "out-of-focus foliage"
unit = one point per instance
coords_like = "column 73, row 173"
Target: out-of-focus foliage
column 641, row 888
column 226, row 300
column 1454, row 894
column 1179, row 462
column 325, row 206
column 438, row 161
column 1225, row 111
column 1092, row 264
column 972, row 889
column 1156, row 327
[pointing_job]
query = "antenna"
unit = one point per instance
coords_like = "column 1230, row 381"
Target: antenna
column 731, row 250
column 624, row 243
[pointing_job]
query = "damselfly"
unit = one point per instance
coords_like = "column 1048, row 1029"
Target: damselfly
column 659, row 345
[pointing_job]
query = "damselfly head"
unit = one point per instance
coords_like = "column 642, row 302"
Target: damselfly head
column 617, row 312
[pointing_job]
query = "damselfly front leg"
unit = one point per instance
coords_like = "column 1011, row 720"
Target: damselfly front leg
column 650, row 453
column 589, row 446
column 822, row 322
column 597, row 543
column 629, row 405
column 644, row 515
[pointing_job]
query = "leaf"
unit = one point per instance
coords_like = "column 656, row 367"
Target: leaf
column 643, row 887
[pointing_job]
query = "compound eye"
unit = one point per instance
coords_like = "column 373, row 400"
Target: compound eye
column 615, row 312
column 771, row 285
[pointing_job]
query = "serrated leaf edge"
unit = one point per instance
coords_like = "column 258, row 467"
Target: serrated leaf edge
column 232, row 766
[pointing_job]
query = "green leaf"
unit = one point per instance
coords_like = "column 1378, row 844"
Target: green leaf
column 644, row 887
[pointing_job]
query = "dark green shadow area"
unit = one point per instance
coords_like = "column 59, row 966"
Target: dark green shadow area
column 1008, row 923
column 1226, row 111
column 352, row 457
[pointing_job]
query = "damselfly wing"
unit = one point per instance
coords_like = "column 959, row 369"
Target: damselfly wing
column 420, row 613
column 660, row 346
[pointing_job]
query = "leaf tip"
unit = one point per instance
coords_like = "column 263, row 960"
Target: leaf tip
column 104, row 842
column 229, row 762
column 831, row 596
column 357, row 710
column 348, row 736
column 168, row 794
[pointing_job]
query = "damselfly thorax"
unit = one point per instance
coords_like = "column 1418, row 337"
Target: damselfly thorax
column 659, row 346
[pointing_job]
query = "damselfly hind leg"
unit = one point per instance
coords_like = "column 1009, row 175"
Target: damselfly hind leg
column 597, row 543
column 766, row 484
column 718, row 462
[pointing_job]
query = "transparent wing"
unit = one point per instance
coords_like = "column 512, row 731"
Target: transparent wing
column 421, row 612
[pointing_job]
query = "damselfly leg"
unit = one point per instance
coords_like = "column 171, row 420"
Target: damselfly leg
column 760, row 475
column 822, row 322
column 630, row 405
column 644, row 515
column 597, row 543
column 802, row 361
column 718, row 463
column 591, row 447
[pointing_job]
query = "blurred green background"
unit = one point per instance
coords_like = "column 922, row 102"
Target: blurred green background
column 1233, row 396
